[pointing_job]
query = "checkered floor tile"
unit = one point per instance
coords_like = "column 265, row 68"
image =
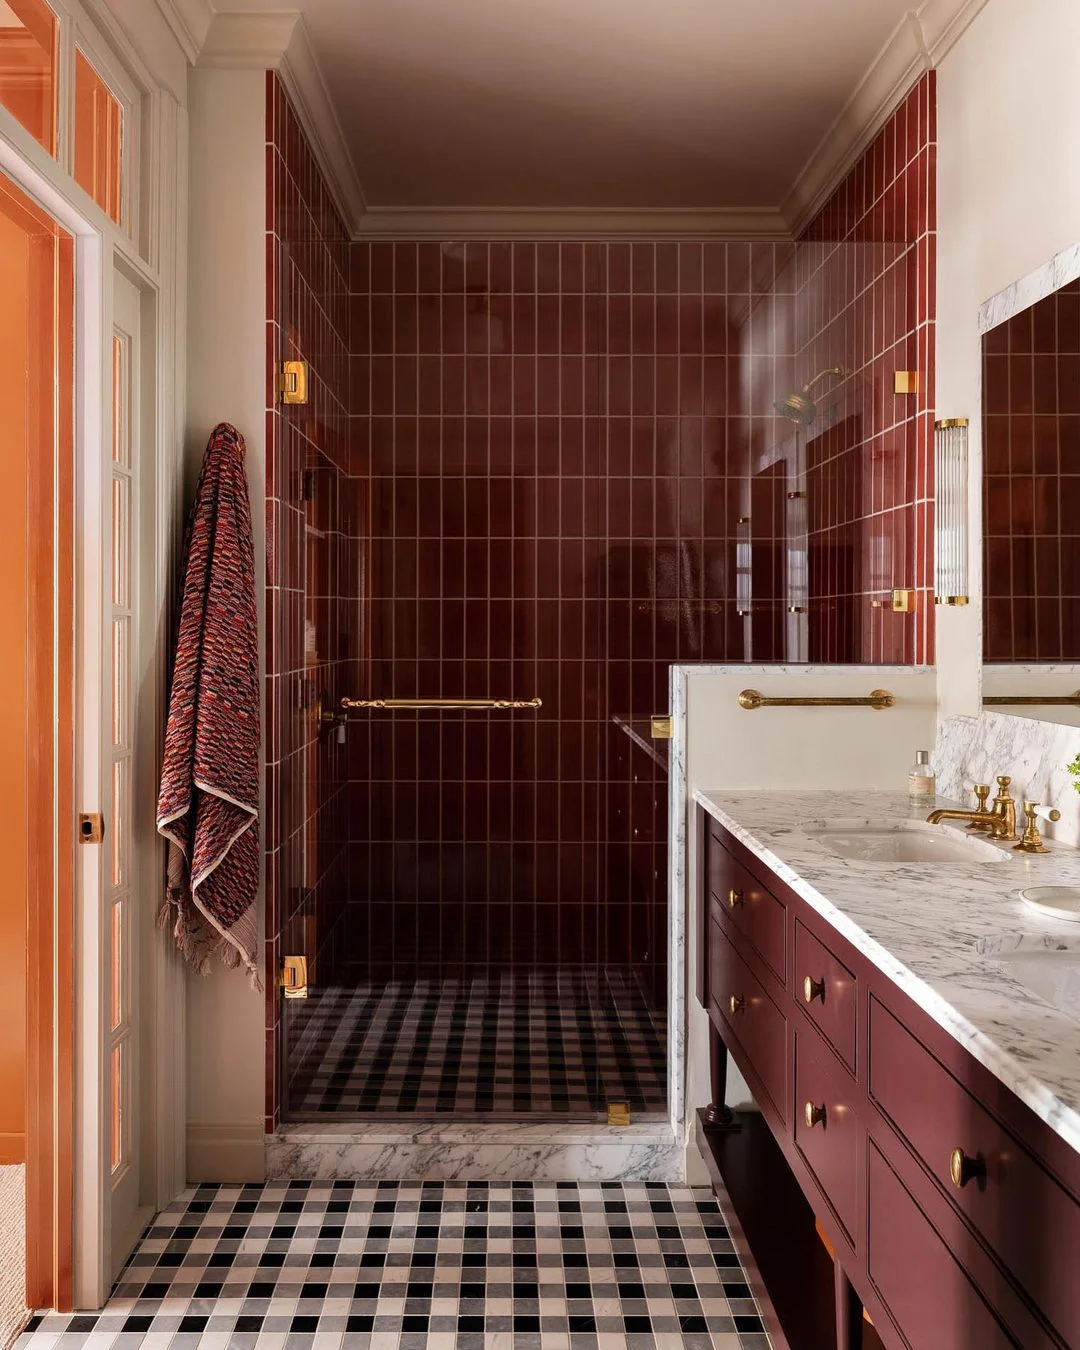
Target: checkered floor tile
column 537, row 1043
column 434, row 1266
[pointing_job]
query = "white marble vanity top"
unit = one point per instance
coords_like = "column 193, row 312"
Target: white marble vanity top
column 928, row 927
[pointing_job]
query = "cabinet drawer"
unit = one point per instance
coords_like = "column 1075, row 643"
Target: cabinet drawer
column 749, row 907
column 750, row 1017
column 827, row 1125
column 826, row 992
column 1024, row 1214
column 927, row 1293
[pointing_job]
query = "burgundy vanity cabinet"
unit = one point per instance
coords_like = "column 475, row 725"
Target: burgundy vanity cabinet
column 750, row 907
column 953, row 1210
column 752, row 1019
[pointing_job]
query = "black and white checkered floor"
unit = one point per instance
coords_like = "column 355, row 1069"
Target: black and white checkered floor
column 434, row 1266
column 539, row 1042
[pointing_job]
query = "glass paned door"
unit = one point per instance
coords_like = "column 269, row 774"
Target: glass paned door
column 120, row 898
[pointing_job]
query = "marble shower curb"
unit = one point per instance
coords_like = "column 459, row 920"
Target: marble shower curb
column 391, row 1151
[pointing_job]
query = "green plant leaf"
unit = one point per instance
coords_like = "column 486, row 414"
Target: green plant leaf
column 1074, row 769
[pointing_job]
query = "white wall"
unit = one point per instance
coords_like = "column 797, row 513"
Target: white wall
column 718, row 745
column 1008, row 200
column 227, row 382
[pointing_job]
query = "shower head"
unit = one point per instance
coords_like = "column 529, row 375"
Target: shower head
column 798, row 406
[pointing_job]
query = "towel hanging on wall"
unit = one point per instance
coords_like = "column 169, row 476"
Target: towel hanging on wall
column 208, row 805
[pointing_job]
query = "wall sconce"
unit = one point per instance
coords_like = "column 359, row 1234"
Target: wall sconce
column 951, row 511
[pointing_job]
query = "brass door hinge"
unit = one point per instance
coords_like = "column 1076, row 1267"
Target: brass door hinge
column 293, row 382
column 661, row 728
column 618, row 1113
column 294, row 977
column 91, row 827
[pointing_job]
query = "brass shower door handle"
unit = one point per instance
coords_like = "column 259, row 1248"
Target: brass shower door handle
column 466, row 704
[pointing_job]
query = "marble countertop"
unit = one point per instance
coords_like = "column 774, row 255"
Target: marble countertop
column 933, row 929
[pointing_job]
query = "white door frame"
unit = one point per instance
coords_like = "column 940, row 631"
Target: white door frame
column 101, row 248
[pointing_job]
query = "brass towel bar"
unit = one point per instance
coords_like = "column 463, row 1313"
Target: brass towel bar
column 1033, row 700
column 487, row 704
column 878, row 699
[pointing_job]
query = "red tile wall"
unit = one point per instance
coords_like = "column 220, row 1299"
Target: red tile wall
column 1031, row 483
column 866, row 301
column 554, row 429
column 315, row 519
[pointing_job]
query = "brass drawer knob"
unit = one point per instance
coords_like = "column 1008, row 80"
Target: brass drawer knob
column 813, row 1115
column 812, row 989
column 736, row 1003
column 734, row 898
column 963, row 1169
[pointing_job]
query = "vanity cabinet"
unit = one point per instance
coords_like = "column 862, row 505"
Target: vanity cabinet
column 952, row 1209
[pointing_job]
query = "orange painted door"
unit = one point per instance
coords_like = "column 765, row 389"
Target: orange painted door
column 36, row 729
column 17, row 393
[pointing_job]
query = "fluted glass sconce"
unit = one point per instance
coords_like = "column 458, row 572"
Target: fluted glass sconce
column 951, row 511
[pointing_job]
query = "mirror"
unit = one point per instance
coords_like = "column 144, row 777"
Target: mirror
column 1031, row 496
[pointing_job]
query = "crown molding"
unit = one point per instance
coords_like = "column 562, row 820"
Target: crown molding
column 255, row 41
column 269, row 40
column 189, row 22
column 919, row 42
column 944, row 22
column 430, row 222
column 304, row 83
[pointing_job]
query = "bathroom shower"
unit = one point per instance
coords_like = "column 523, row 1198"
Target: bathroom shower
column 798, row 406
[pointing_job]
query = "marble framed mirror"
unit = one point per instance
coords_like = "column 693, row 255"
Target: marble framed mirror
column 1030, row 424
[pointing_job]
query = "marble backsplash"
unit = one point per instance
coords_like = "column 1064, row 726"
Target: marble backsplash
column 1035, row 754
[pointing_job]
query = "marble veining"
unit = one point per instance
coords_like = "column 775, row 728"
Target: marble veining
column 1062, row 268
column 464, row 1151
column 1035, row 754
column 934, row 930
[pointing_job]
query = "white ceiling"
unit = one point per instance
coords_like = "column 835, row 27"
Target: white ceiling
column 588, row 104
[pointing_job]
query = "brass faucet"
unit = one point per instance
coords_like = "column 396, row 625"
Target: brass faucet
column 998, row 823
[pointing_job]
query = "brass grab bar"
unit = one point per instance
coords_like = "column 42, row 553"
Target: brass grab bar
column 1033, row 700
column 495, row 704
column 878, row 699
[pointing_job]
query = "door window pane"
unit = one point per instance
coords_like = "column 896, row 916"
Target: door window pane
column 121, row 588
column 28, row 61
column 116, row 956
column 119, row 822
column 116, row 1143
column 99, row 123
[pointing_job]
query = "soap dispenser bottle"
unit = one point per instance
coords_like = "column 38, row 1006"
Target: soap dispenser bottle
column 922, row 784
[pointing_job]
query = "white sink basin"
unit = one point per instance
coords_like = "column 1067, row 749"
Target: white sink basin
column 908, row 841
column 1049, row 967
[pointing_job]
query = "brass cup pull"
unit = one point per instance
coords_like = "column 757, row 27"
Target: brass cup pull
column 734, row 898
column 813, row 1115
column 963, row 1169
column 737, row 1003
column 812, row 989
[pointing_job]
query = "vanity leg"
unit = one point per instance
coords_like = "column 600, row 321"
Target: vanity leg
column 849, row 1321
column 718, row 1115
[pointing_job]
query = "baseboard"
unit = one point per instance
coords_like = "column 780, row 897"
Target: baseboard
column 234, row 1152
column 12, row 1149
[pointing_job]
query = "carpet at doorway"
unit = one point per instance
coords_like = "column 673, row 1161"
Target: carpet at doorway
column 13, row 1313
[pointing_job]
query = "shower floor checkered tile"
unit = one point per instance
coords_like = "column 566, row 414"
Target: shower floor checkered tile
column 434, row 1266
column 538, row 1042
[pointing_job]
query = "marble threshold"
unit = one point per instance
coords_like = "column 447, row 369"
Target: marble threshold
column 934, row 930
column 475, row 1151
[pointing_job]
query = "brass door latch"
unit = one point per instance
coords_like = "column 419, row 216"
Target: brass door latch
column 91, row 827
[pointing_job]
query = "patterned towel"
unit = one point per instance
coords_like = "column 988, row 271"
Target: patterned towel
column 208, row 806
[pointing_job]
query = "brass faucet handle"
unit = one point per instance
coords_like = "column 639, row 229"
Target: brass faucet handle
column 1003, row 781
column 983, row 814
column 1031, row 839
